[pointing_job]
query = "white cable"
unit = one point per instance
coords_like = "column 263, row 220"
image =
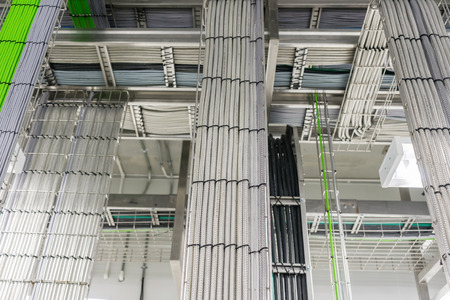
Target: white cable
column 417, row 42
column 227, row 246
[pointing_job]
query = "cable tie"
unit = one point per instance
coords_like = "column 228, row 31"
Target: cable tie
column 258, row 251
column 444, row 185
column 417, row 39
column 230, row 128
column 229, row 245
column 257, row 186
column 89, row 15
column 431, row 34
column 432, row 129
column 375, row 48
column 35, row 5
column 9, row 131
column 257, row 39
column 220, row 180
column 426, row 79
column 257, row 130
column 227, row 37
column 24, row 5
column 233, row 79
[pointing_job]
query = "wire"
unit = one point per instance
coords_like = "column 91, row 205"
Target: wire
column 419, row 45
column 227, row 232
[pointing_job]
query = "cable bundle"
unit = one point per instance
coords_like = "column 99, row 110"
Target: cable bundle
column 50, row 219
column 88, row 13
column 341, row 18
column 419, row 44
column 282, row 167
column 13, row 36
column 294, row 18
column 163, row 120
column 22, row 86
column 288, row 254
column 365, row 79
column 169, row 18
column 227, row 254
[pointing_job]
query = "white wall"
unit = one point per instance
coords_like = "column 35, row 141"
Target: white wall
column 160, row 285
column 376, row 285
column 158, row 282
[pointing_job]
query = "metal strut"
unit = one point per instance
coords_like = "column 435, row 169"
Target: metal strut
column 324, row 143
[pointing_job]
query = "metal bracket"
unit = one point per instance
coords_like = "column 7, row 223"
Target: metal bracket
column 105, row 64
column 169, row 66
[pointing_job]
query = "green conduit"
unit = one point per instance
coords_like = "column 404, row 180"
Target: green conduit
column 81, row 13
column 13, row 36
column 327, row 199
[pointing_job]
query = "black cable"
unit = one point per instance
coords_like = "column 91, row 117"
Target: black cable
column 287, row 235
column 144, row 267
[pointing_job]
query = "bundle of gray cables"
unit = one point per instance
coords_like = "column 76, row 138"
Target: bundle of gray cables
column 420, row 48
column 365, row 79
column 227, row 240
column 22, row 87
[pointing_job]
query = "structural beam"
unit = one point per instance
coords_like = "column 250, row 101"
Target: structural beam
column 177, row 248
column 443, row 293
column 105, row 64
column 133, row 201
column 186, row 96
column 303, row 210
column 272, row 55
column 282, row 3
column 189, row 37
column 391, row 208
column 430, row 270
column 422, row 288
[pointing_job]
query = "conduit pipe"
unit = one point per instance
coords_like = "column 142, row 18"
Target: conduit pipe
column 227, row 240
column 419, row 47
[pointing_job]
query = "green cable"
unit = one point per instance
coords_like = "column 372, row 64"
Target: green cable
column 13, row 36
column 327, row 198
column 81, row 13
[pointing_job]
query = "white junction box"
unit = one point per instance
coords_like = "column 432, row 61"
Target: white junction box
column 399, row 167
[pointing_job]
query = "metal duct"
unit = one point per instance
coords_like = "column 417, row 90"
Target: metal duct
column 227, row 238
column 419, row 44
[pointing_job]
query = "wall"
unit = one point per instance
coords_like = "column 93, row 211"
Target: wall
column 376, row 285
column 160, row 285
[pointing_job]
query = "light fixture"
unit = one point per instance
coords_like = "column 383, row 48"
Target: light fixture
column 399, row 167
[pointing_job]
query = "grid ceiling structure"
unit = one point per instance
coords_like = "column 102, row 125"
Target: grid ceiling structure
column 152, row 51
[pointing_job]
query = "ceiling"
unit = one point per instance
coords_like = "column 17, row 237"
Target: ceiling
column 144, row 54
column 152, row 50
